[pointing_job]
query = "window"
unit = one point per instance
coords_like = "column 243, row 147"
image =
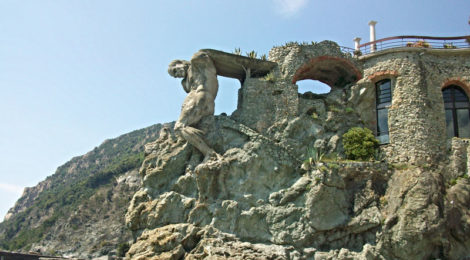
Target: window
column 457, row 110
column 383, row 92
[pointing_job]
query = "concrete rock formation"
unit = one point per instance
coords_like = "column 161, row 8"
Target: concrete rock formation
column 263, row 201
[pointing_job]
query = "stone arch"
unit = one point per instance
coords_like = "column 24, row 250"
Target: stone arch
column 381, row 75
column 333, row 71
column 458, row 81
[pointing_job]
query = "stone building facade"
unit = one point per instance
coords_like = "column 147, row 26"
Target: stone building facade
column 417, row 76
column 270, row 197
column 416, row 117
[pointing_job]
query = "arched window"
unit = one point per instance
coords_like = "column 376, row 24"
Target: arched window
column 457, row 111
column 383, row 92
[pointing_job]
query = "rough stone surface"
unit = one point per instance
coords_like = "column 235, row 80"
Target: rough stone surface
column 258, row 194
column 416, row 116
column 263, row 200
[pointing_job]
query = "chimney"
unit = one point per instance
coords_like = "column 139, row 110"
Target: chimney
column 372, row 24
column 357, row 42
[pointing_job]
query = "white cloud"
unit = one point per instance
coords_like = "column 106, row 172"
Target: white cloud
column 11, row 188
column 288, row 8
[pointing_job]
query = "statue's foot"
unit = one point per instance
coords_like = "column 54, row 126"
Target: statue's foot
column 212, row 157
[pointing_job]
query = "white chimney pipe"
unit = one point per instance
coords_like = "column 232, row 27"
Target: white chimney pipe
column 357, row 42
column 372, row 35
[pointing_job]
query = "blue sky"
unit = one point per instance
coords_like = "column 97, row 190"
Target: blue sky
column 74, row 73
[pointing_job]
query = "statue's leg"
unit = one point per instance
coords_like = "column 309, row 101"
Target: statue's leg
column 195, row 106
column 194, row 137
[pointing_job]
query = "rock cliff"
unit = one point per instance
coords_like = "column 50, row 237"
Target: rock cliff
column 268, row 198
column 258, row 203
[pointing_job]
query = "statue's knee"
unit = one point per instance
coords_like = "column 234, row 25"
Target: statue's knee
column 179, row 128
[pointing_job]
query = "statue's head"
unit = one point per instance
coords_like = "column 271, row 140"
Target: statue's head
column 178, row 68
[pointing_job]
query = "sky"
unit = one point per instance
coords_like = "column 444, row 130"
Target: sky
column 74, row 73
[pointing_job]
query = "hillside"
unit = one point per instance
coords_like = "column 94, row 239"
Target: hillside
column 79, row 210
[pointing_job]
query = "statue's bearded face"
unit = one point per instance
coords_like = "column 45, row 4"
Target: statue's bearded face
column 178, row 68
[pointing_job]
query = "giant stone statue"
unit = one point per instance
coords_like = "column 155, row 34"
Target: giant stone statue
column 200, row 82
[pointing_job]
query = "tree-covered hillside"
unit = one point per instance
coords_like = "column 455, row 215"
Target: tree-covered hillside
column 79, row 210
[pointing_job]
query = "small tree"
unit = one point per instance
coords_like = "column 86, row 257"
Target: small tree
column 359, row 144
column 122, row 249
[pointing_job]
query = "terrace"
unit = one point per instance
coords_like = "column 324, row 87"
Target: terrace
column 406, row 41
column 412, row 41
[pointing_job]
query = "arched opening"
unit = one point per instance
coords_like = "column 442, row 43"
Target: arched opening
column 314, row 86
column 333, row 71
column 227, row 96
column 457, row 111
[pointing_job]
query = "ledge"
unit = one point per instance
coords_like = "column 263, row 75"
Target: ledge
column 443, row 52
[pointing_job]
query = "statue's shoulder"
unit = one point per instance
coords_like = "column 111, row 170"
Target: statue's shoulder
column 201, row 55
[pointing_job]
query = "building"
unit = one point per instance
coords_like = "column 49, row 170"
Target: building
column 411, row 91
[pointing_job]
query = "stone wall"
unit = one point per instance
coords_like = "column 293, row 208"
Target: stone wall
column 459, row 158
column 265, row 102
column 416, row 116
column 262, row 103
column 292, row 56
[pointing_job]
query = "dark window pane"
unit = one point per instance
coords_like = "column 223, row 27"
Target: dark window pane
column 384, row 84
column 449, row 105
column 463, row 122
column 449, row 123
column 383, row 105
column 457, row 111
column 383, row 101
column 383, row 139
column 382, row 121
column 461, row 104
column 460, row 96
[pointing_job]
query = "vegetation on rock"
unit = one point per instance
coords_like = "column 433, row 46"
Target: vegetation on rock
column 360, row 144
column 81, row 192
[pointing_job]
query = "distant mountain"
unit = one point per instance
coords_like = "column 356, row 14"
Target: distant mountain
column 79, row 210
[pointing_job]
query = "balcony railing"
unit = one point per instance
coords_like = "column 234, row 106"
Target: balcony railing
column 459, row 42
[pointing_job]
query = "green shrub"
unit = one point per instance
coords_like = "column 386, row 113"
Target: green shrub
column 452, row 182
column 270, row 77
column 122, row 249
column 314, row 155
column 359, row 144
column 252, row 54
column 237, row 51
column 335, row 109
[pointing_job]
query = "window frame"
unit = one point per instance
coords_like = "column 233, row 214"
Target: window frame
column 454, row 106
column 383, row 100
